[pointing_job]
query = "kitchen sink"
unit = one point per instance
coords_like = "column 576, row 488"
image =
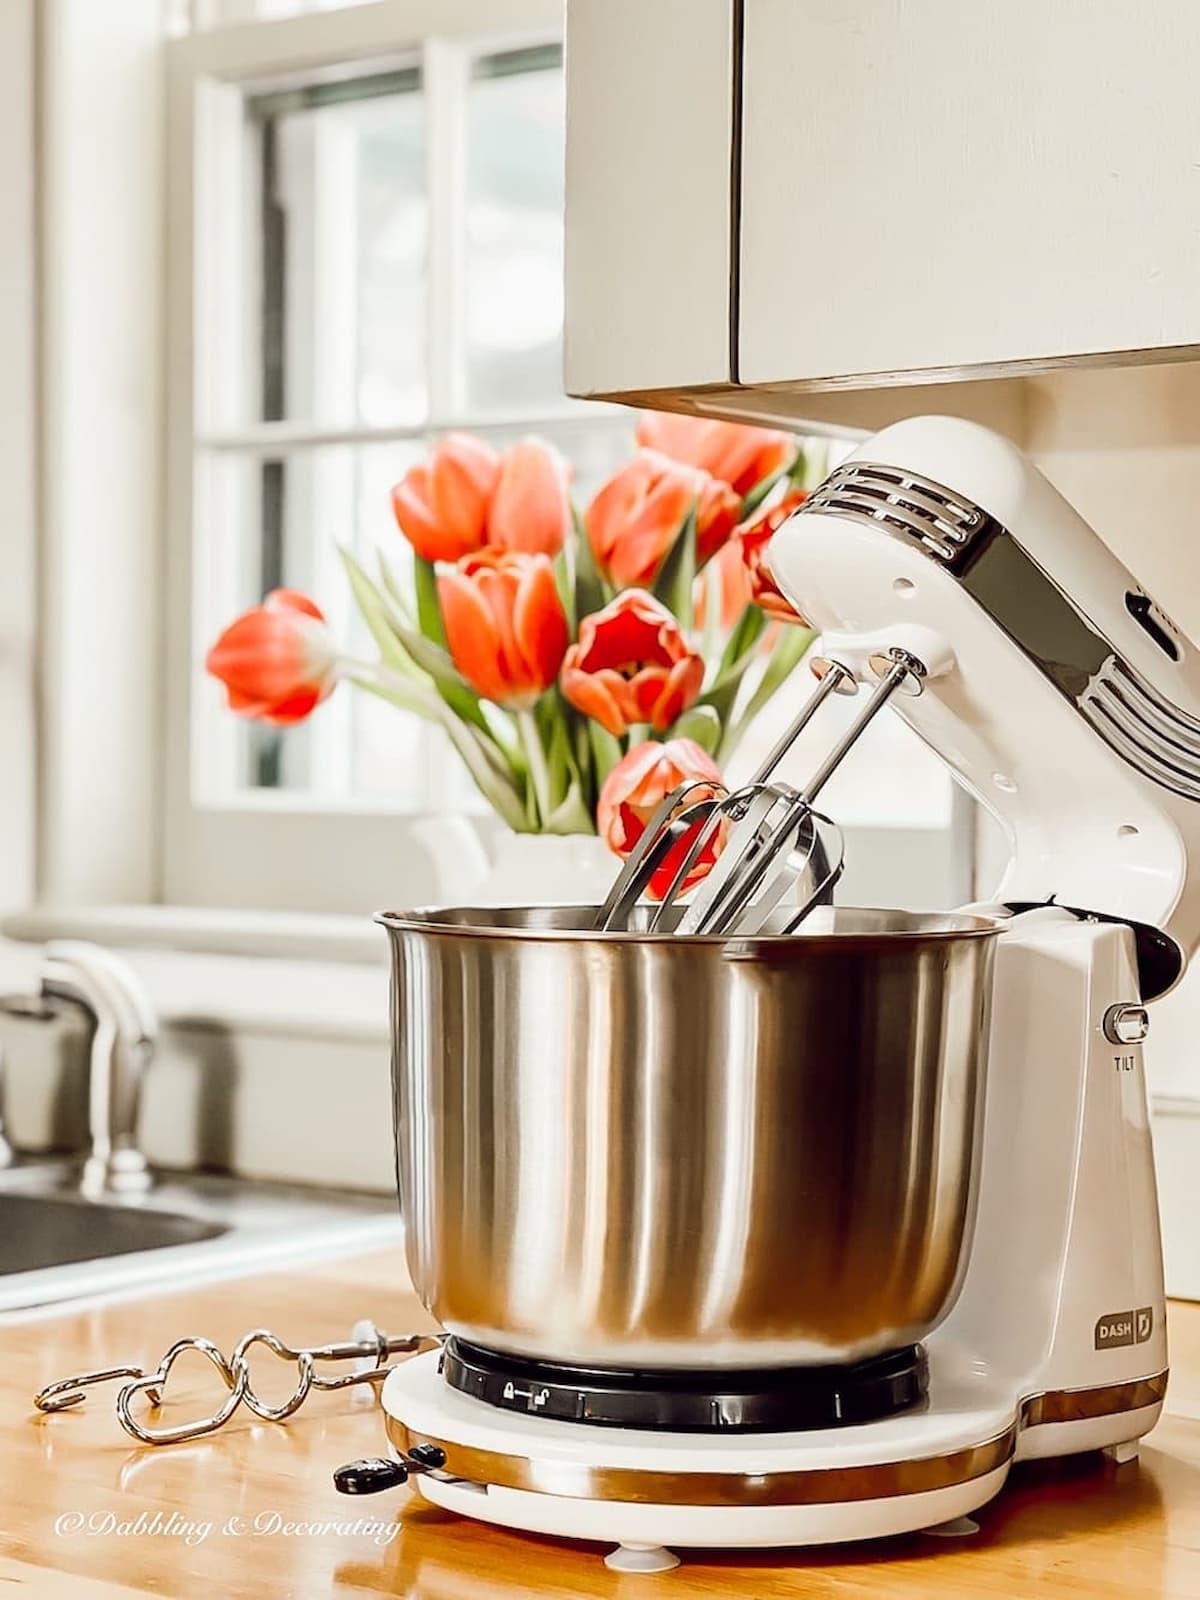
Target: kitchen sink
column 48, row 1231
column 58, row 1247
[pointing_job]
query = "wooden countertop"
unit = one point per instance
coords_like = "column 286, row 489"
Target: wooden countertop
column 1078, row 1528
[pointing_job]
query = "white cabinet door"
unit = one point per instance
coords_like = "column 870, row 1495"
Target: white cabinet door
column 651, row 136
column 940, row 185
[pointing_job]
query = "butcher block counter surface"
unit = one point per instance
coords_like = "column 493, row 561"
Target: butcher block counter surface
column 85, row 1514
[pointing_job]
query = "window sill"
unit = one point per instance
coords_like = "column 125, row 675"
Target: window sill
column 245, row 972
column 200, row 930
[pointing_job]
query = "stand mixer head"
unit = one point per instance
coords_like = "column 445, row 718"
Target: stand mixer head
column 1058, row 692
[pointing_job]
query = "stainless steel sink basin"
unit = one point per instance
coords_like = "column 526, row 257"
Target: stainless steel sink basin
column 57, row 1247
column 46, row 1231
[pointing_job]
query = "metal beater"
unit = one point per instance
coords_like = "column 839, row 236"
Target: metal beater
column 773, row 837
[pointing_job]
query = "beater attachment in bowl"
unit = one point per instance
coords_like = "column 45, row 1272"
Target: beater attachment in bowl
column 769, row 837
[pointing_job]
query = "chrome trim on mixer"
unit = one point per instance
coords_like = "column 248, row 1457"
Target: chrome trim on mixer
column 580, row 1480
column 1157, row 737
column 1085, row 1405
column 946, row 524
column 1149, row 732
column 577, row 1480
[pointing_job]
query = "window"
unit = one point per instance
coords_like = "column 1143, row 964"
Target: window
column 369, row 254
column 375, row 254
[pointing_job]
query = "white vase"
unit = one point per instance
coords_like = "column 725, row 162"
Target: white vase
column 530, row 869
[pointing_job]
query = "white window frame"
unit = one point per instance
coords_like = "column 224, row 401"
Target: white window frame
column 117, row 657
column 299, row 854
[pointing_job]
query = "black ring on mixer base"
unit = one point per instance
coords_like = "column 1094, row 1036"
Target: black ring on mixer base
column 764, row 1399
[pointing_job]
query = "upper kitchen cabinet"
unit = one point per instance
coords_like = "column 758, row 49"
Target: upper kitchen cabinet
column 821, row 208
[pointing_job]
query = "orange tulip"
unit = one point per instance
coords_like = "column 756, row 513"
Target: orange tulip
column 634, row 519
column 751, row 541
column 505, row 624
column 635, row 788
column 632, row 664
column 530, row 510
column 277, row 660
column 442, row 507
column 739, row 456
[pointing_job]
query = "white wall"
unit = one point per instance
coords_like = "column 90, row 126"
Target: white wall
column 100, row 131
column 18, row 441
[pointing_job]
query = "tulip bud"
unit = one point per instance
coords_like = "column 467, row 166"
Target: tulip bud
column 277, row 660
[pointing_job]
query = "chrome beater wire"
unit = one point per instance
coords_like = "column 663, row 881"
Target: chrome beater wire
column 367, row 1346
column 776, row 838
column 676, row 818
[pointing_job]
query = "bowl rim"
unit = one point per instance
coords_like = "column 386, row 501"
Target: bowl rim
column 426, row 920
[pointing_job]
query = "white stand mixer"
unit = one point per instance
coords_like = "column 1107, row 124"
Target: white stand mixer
column 1068, row 702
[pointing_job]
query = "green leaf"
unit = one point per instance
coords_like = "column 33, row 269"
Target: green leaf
column 429, row 607
column 701, row 723
column 676, row 578
column 396, row 694
column 764, row 486
column 403, row 648
column 606, row 752
column 393, row 588
column 591, row 593
column 564, row 582
column 560, row 761
column 572, row 815
column 791, row 647
column 500, row 793
column 743, row 639
column 740, row 650
column 375, row 614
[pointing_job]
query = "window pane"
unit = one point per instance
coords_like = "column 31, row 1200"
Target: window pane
column 343, row 222
column 281, row 524
column 514, row 229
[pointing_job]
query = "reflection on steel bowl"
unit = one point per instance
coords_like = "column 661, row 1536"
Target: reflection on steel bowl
column 650, row 1151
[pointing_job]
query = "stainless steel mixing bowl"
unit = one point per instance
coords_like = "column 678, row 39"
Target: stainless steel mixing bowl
column 657, row 1151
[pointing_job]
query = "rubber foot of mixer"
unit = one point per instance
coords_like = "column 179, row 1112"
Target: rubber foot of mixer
column 1119, row 1454
column 956, row 1528
column 641, row 1558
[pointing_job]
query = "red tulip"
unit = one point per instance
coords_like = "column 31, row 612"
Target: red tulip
column 530, row 510
column 635, row 518
column 442, row 508
column 277, row 661
column 751, row 541
column 739, row 456
column 505, row 624
column 632, row 664
column 635, row 788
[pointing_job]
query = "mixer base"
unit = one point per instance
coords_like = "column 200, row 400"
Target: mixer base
column 642, row 1489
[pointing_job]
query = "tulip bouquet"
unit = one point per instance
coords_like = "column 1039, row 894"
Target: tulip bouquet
column 582, row 664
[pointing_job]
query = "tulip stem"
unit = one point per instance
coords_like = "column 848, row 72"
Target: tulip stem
column 539, row 773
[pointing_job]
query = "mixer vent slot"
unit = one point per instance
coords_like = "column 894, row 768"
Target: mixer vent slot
column 1143, row 726
column 941, row 521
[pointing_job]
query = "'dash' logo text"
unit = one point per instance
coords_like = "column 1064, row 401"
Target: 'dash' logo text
column 1118, row 1328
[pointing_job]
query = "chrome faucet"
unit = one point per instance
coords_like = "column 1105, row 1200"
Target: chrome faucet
column 122, row 1045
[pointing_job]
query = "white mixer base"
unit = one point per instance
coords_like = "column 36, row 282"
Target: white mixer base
column 932, row 1467
column 711, row 1527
